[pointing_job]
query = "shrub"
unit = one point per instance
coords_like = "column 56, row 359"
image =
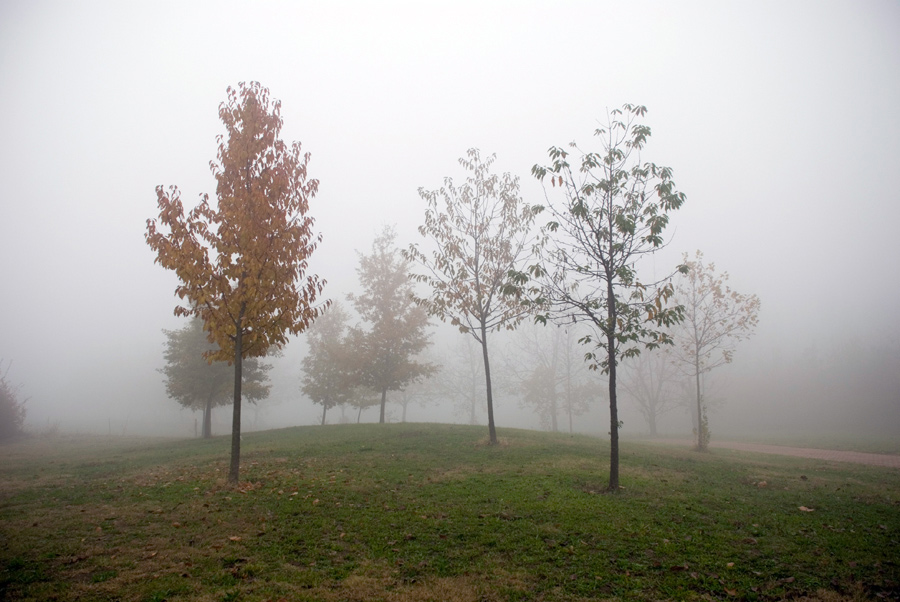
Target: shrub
column 12, row 411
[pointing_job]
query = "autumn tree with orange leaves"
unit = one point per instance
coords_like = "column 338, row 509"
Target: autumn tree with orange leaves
column 387, row 351
column 242, row 264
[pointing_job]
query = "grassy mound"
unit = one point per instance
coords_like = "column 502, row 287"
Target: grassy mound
column 429, row 512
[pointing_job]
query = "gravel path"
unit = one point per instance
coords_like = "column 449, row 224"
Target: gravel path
column 890, row 461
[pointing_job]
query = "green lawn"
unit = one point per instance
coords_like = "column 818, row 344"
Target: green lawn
column 429, row 512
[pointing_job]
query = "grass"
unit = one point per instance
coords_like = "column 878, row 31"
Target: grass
column 429, row 512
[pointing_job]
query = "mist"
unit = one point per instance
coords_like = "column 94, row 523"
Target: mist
column 779, row 121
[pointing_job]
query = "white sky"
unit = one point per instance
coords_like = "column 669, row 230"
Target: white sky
column 780, row 120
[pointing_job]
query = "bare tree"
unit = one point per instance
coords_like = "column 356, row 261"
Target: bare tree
column 653, row 381
column 480, row 234
column 548, row 370
column 716, row 319
column 462, row 380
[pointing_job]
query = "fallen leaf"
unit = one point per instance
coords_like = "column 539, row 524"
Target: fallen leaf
column 761, row 484
column 805, row 509
column 730, row 565
column 234, row 538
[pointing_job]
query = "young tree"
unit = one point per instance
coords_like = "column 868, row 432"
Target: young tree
column 653, row 382
column 548, row 371
column 328, row 376
column 386, row 353
column 12, row 409
column 362, row 398
column 716, row 319
column 461, row 380
column 614, row 209
column 242, row 264
column 420, row 392
column 198, row 384
column 480, row 233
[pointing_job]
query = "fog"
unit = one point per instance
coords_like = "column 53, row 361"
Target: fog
column 779, row 120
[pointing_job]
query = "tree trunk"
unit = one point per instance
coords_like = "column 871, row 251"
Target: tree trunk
column 613, row 408
column 324, row 409
column 651, row 419
column 473, row 401
column 383, row 402
column 569, row 385
column 553, row 424
column 492, row 430
column 234, row 470
column 359, row 414
column 701, row 443
column 403, row 420
column 207, row 418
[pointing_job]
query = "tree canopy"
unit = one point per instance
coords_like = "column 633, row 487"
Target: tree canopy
column 242, row 264
column 199, row 384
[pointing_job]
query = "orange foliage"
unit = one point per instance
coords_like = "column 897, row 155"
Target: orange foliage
column 242, row 263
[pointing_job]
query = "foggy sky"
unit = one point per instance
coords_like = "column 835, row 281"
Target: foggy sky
column 780, row 120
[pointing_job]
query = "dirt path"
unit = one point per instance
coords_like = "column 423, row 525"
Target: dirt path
column 833, row 455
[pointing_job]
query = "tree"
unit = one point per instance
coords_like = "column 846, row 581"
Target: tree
column 548, row 372
column 362, row 398
column 461, row 379
column 196, row 383
column 613, row 211
column 716, row 319
column 386, row 352
column 480, row 231
column 653, row 382
column 242, row 265
column 328, row 377
column 12, row 410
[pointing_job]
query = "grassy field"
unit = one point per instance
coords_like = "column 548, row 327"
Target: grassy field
column 429, row 512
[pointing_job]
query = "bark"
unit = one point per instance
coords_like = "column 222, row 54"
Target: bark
column 613, row 409
column 569, row 389
column 553, row 405
column 324, row 410
column 492, row 430
column 234, row 470
column 701, row 445
column 207, row 418
column 383, row 402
